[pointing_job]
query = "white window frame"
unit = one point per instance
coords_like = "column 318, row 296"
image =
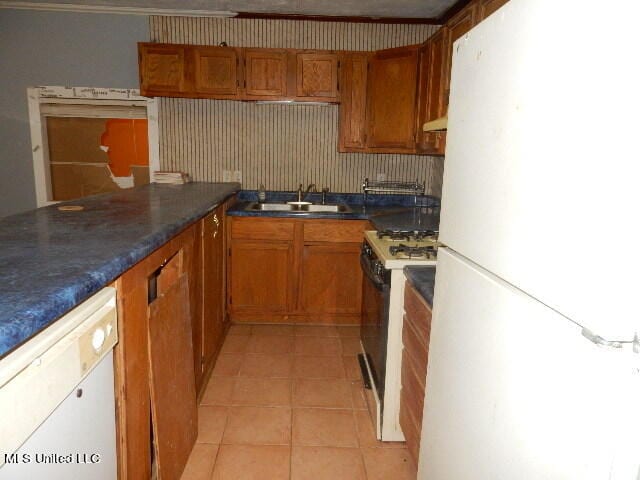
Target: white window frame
column 87, row 96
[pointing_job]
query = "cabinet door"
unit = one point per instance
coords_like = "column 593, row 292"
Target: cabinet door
column 173, row 390
column 216, row 71
column 353, row 103
column 261, row 276
column 192, row 266
column 457, row 26
column 317, row 76
column 430, row 103
column 487, row 7
column 162, row 69
column 331, row 279
column 391, row 93
column 212, row 285
column 265, row 73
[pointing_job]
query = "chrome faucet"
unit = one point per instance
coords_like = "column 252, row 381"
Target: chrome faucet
column 325, row 190
column 302, row 194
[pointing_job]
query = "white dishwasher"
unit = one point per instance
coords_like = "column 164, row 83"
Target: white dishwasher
column 57, row 403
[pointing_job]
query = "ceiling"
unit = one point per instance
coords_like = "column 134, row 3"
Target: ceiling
column 359, row 8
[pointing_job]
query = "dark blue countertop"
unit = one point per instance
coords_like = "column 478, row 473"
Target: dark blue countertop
column 423, row 280
column 384, row 211
column 50, row 260
column 417, row 218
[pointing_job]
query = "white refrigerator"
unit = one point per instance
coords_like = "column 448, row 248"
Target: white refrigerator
column 534, row 356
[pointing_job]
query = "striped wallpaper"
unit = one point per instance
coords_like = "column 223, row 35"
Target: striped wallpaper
column 278, row 145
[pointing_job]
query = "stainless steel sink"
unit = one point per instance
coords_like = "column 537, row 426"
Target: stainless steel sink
column 297, row 208
column 270, row 206
column 326, row 208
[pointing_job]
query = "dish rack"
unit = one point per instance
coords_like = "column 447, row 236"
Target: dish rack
column 393, row 187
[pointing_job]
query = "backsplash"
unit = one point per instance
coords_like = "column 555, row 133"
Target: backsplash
column 280, row 146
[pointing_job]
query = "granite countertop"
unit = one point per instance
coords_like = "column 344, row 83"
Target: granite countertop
column 423, row 280
column 396, row 212
column 52, row 260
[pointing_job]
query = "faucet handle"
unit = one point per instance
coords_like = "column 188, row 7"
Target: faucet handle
column 325, row 189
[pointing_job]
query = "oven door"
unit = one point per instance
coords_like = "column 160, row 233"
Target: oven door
column 375, row 321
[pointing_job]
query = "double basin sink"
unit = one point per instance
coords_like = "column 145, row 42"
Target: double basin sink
column 297, row 207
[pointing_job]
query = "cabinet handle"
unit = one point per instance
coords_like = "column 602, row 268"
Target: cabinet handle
column 216, row 223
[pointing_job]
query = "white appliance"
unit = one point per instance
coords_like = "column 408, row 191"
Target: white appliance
column 57, row 398
column 533, row 357
column 384, row 255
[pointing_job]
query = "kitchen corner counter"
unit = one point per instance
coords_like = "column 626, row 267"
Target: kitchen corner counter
column 52, row 260
column 422, row 278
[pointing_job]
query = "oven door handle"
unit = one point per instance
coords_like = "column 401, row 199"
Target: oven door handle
column 371, row 276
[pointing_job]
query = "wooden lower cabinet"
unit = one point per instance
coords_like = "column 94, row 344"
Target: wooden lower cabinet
column 197, row 254
column 306, row 276
column 416, row 330
column 331, row 279
column 213, row 290
column 132, row 372
column 260, row 277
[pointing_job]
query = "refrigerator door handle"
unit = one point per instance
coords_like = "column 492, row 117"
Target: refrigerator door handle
column 603, row 342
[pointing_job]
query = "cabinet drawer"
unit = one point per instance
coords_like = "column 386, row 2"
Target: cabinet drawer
column 412, row 430
column 416, row 351
column 251, row 228
column 418, row 312
column 334, row 231
column 412, row 388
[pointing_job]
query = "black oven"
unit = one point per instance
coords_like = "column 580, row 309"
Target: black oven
column 375, row 315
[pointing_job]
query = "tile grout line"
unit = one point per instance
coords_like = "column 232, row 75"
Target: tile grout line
column 291, row 430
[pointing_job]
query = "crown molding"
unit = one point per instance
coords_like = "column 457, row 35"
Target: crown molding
column 72, row 7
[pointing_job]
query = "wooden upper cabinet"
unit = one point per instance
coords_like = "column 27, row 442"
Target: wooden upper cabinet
column 391, row 92
column 317, row 75
column 265, row 73
column 353, row 103
column 162, row 69
column 430, row 101
column 216, row 71
column 457, row 26
column 487, row 7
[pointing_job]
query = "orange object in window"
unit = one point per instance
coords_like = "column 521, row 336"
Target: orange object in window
column 127, row 144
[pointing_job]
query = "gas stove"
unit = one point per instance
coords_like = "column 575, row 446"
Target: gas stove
column 397, row 249
column 383, row 257
column 408, row 235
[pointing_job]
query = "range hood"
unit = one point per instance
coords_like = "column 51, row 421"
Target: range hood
column 437, row 125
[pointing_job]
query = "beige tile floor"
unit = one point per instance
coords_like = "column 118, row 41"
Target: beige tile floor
column 287, row 402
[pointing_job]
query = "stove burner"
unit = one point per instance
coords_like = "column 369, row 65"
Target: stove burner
column 407, row 235
column 407, row 251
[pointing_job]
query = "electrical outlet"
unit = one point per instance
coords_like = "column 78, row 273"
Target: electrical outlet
column 237, row 176
column 226, row 175
column 381, row 177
